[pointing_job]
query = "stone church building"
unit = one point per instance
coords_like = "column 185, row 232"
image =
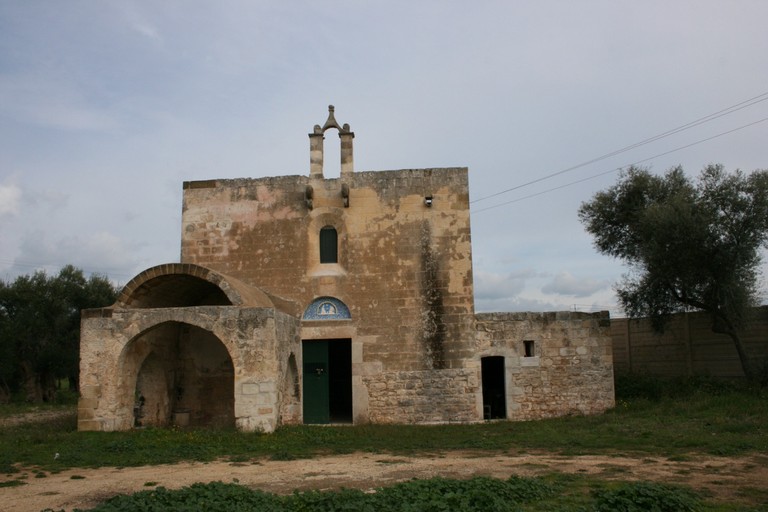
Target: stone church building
column 305, row 299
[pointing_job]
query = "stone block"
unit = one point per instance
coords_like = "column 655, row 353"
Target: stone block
column 267, row 387
column 85, row 414
column 262, row 398
column 87, row 404
column 89, row 425
column 250, row 388
column 90, row 391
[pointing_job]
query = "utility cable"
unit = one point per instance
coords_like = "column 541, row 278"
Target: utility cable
column 622, row 167
column 729, row 110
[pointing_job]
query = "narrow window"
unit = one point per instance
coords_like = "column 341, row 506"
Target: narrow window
column 328, row 245
column 529, row 348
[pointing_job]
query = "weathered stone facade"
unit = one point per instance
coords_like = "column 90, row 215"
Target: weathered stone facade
column 306, row 299
column 568, row 368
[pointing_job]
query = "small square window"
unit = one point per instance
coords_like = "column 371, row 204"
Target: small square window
column 529, row 347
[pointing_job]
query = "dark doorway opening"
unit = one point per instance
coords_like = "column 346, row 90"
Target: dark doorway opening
column 184, row 376
column 494, row 394
column 327, row 380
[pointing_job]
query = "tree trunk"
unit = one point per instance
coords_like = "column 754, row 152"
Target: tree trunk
column 5, row 392
column 746, row 364
column 33, row 391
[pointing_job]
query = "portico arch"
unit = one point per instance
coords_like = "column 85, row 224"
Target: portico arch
column 176, row 371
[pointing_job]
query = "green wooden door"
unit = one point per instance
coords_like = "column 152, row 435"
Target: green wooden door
column 316, row 383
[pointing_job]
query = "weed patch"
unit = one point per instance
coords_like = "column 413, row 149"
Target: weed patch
column 645, row 496
column 437, row 494
column 564, row 493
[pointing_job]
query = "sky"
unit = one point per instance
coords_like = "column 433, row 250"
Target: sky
column 107, row 106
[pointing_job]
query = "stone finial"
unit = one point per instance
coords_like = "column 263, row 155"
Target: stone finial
column 331, row 122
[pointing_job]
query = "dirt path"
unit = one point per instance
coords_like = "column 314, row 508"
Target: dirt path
column 33, row 417
column 82, row 488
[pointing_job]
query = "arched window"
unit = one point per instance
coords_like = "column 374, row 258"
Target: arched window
column 329, row 252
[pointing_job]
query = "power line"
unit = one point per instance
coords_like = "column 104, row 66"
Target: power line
column 720, row 113
column 618, row 168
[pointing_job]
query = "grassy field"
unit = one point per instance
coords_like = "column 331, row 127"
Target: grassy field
column 673, row 421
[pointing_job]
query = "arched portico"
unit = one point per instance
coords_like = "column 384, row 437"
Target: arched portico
column 211, row 364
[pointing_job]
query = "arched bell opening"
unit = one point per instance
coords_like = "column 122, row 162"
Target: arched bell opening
column 178, row 374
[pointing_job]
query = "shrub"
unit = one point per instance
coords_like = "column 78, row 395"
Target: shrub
column 211, row 497
column 436, row 494
column 646, row 497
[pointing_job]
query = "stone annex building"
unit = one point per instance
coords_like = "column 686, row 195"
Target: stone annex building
column 302, row 299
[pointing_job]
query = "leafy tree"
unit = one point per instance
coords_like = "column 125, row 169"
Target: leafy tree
column 689, row 244
column 40, row 329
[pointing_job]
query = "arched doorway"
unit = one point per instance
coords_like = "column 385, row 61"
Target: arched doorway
column 181, row 374
column 327, row 390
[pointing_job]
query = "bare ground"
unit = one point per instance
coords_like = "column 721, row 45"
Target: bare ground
column 734, row 479
column 722, row 478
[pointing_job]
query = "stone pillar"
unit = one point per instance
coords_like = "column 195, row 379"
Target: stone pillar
column 347, row 161
column 316, row 153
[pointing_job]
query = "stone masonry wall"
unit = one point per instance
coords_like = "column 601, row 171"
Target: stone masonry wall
column 570, row 370
column 404, row 268
column 431, row 396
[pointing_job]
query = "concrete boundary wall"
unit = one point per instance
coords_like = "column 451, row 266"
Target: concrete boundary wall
column 687, row 347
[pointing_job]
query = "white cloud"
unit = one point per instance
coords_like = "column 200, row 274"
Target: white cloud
column 516, row 304
column 492, row 286
column 10, row 200
column 101, row 252
column 53, row 102
column 51, row 199
column 566, row 284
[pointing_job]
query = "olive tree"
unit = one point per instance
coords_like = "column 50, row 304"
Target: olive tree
column 40, row 329
column 689, row 244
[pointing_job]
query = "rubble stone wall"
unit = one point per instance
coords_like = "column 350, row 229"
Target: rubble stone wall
column 426, row 396
column 570, row 369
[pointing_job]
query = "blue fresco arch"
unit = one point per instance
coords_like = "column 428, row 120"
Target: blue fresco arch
column 326, row 308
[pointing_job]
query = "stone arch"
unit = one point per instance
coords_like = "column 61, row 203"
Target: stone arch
column 187, row 285
column 175, row 369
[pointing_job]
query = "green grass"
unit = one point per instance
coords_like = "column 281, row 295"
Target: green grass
column 676, row 423
column 728, row 423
